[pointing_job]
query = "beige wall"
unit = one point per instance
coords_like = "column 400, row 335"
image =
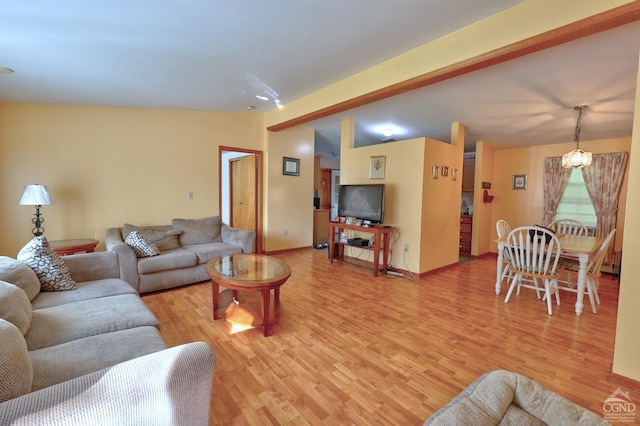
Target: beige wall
column 289, row 211
column 526, row 207
column 627, row 348
column 482, row 217
column 108, row 166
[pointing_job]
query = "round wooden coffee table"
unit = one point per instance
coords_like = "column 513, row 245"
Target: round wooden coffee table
column 249, row 272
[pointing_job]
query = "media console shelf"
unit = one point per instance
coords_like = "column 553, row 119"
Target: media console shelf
column 381, row 239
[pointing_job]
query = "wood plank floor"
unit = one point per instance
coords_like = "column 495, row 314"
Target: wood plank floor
column 354, row 349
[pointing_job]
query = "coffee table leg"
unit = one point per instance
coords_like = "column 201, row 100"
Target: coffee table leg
column 215, row 295
column 265, row 310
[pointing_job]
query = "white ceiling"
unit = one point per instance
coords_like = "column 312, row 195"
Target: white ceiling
column 215, row 55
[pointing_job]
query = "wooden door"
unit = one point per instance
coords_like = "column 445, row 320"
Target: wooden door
column 243, row 206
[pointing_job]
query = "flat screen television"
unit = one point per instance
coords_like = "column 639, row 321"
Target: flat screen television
column 364, row 202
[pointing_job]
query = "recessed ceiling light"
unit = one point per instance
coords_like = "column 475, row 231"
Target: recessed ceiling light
column 5, row 70
column 250, row 107
column 263, row 98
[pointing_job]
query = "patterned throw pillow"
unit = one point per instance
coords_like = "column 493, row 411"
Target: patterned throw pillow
column 140, row 245
column 48, row 266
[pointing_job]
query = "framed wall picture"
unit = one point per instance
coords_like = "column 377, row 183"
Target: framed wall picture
column 445, row 171
column 376, row 167
column 290, row 166
column 435, row 170
column 519, row 182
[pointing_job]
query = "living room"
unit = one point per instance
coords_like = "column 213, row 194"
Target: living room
column 111, row 165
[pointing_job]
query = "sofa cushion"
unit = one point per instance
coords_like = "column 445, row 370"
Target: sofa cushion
column 85, row 290
column 198, row 231
column 71, row 321
column 48, row 266
column 15, row 306
column 141, row 247
column 16, row 373
column 172, row 259
column 58, row 363
column 206, row 252
column 164, row 239
column 17, row 272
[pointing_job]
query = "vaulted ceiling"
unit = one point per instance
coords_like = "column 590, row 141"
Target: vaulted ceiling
column 228, row 56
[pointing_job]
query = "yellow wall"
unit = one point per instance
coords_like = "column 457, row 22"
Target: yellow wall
column 289, row 211
column 440, row 230
column 627, row 347
column 107, row 166
column 526, row 207
column 482, row 212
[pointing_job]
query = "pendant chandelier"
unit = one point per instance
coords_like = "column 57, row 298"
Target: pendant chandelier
column 577, row 157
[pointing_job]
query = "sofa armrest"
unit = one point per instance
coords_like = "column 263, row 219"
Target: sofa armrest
column 93, row 266
column 238, row 237
column 169, row 387
column 126, row 256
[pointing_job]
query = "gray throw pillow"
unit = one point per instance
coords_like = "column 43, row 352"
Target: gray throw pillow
column 48, row 266
column 15, row 306
column 140, row 245
column 17, row 272
column 198, row 231
column 164, row 240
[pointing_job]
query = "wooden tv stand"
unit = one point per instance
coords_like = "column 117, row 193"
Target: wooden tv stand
column 381, row 240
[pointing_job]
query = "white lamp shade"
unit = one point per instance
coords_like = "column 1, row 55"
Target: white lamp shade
column 36, row 195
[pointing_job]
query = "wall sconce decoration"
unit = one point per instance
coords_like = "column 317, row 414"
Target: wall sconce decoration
column 486, row 185
column 435, row 170
column 486, row 197
column 454, row 174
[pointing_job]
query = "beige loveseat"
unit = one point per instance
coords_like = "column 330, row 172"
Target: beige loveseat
column 93, row 355
column 185, row 247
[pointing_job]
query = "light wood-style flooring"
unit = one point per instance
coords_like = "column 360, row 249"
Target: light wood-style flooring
column 358, row 350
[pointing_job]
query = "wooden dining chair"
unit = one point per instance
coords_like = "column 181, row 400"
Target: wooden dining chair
column 570, row 282
column 569, row 227
column 503, row 229
column 534, row 252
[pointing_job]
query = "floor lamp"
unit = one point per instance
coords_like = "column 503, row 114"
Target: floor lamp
column 36, row 195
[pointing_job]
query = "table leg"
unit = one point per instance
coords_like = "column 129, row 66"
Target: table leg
column 385, row 251
column 376, row 254
column 582, row 281
column 215, row 296
column 499, row 265
column 265, row 310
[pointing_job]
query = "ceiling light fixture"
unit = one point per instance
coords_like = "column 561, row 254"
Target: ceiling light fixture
column 387, row 132
column 577, row 157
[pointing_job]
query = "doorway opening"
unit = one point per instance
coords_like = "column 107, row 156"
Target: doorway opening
column 240, row 192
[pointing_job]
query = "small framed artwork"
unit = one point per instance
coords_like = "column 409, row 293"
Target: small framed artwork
column 445, row 171
column 376, row 167
column 519, row 182
column 344, row 237
column 290, row 166
column 435, row 170
column 454, row 174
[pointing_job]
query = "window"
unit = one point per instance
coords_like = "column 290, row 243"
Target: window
column 575, row 202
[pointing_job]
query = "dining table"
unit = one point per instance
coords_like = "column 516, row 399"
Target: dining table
column 578, row 247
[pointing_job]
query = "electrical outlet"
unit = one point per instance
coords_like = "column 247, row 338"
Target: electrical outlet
column 406, row 247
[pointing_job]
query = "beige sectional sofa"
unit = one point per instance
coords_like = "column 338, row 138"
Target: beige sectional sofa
column 507, row 398
column 185, row 246
column 93, row 355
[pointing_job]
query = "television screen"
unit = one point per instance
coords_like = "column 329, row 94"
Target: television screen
column 362, row 202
